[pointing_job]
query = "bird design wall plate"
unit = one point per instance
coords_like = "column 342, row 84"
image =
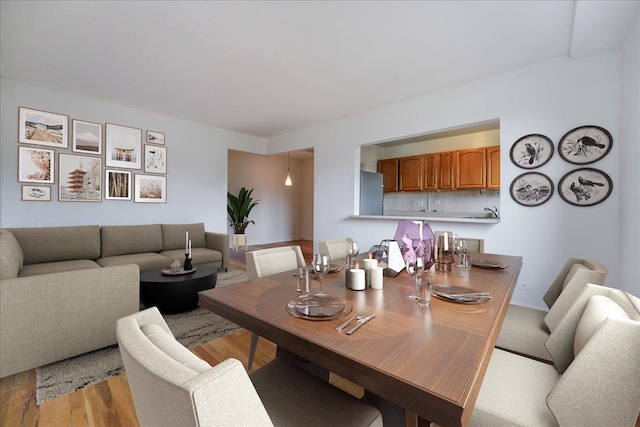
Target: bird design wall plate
column 531, row 189
column 531, row 151
column 585, row 187
column 585, row 144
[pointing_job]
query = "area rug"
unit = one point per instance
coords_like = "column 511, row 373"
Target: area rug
column 192, row 328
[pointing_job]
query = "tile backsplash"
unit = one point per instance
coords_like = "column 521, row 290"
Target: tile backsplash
column 444, row 201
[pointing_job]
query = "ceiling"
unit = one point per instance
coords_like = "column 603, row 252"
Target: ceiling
column 265, row 68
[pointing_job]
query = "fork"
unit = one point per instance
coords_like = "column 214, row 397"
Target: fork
column 360, row 315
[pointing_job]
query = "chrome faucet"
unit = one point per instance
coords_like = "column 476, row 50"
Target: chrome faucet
column 493, row 210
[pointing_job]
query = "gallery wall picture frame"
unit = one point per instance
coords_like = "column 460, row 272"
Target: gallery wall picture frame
column 117, row 185
column 531, row 151
column 43, row 128
column 86, row 137
column 79, row 178
column 35, row 193
column 585, row 187
column 123, row 146
column 531, row 189
column 155, row 159
column 150, row 189
column 154, row 137
column 585, row 144
column 36, row 165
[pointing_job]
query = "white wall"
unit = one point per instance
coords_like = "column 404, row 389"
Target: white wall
column 629, row 143
column 196, row 165
column 282, row 213
column 549, row 98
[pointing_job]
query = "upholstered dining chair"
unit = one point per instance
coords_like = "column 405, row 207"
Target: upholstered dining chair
column 525, row 330
column 171, row 386
column 266, row 262
column 595, row 377
column 335, row 248
column 474, row 245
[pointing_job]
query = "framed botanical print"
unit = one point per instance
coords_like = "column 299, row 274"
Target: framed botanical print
column 117, row 185
column 36, row 165
column 87, row 137
column 155, row 159
column 43, row 128
column 531, row 151
column 585, row 144
column 154, row 137
column 79, row 178
column 123, row 146
column 35, row 193
column 531, row 189
column 585, row 187
column 150, row 189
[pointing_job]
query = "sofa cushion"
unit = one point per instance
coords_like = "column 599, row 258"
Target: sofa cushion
column 57, row 267
column 50, row 244
column 11, row 255
column 198, row 255
column 572, row 271
column 172, row 348
column 146, row 261
column 598, row 309
column 173, row 236
column 130, row 239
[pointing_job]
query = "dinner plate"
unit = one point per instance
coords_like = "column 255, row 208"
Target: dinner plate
column 448, row 293
column 491, row 265
column 318, row 308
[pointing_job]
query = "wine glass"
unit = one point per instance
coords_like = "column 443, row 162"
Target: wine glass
column 352, row 252
column 415, row 268
column 320, row 265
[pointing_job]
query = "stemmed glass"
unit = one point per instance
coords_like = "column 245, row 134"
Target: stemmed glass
column 415, row 268
column 320, row 265
column 352, row 252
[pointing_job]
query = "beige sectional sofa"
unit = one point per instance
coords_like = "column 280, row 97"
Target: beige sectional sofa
column 63, row 288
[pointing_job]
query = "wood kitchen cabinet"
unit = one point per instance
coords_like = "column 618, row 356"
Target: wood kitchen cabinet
column 493, row 167
column 431, row 172
column 470, row 169
column 410, row 171
column 446, row 171
column 389, row 170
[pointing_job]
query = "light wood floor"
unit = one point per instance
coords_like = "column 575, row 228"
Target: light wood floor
column 109, row 403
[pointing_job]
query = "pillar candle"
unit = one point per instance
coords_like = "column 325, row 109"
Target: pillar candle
column 357, row 279
column 368, row 264
column 376, row 277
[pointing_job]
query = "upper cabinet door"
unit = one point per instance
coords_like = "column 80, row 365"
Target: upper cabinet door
column 411, row 170
column 389, row 170
column 431, row 172
column 470, row 168
column 446, row 170
column 493, row 167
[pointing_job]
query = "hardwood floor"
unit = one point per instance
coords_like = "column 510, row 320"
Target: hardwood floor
column 109, row 403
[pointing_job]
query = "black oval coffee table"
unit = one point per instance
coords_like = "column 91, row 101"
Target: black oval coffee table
column 175, row 293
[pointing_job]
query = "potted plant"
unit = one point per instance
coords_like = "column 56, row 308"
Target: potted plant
column 238, row 208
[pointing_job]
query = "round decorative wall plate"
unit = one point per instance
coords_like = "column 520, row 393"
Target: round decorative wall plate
column 585, row 187
column 585, row 144
column 531, row 189
column 531, row 151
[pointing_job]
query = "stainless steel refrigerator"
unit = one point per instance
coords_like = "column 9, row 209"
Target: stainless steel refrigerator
column 370, row 193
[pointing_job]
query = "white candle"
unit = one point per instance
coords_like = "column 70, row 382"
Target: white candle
column 357, row 279
column 376, row 277
column 186, row 242
column 368, row 264
column 189, row 249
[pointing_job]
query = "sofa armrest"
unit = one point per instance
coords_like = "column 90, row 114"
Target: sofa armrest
column 51, row 317
column 219, row 242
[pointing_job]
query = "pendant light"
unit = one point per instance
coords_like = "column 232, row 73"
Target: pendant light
column 287, row 181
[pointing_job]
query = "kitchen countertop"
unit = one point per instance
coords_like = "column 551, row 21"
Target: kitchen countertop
column 460, row 217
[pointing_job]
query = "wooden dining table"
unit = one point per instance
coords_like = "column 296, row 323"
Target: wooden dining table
column 429, row 361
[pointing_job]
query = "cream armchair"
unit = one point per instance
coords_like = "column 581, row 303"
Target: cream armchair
column 266, row 262
column 335, row 248
column 595, row 378
column 525, row 330
column 171, row 386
